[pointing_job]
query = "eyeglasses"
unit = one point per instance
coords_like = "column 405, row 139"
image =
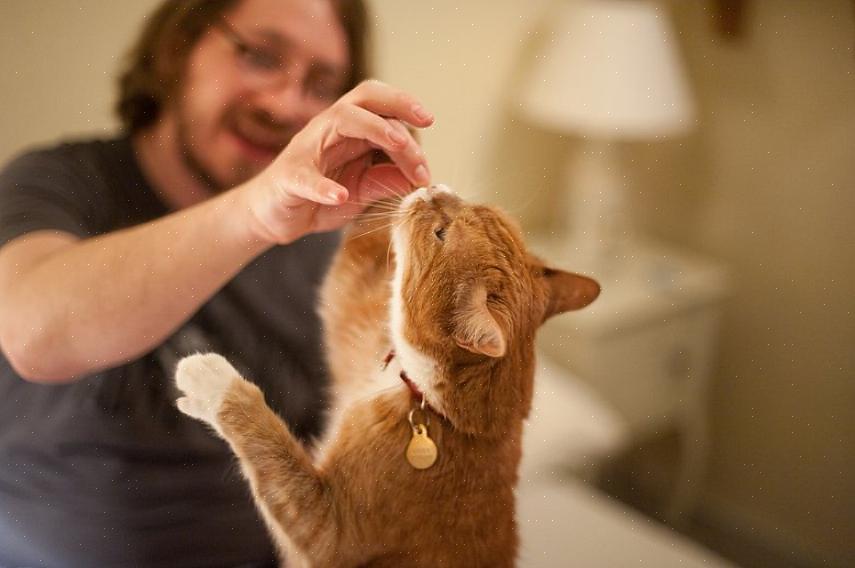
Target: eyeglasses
column 265, row 67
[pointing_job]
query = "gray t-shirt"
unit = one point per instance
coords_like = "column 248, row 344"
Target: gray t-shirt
column 105, row 471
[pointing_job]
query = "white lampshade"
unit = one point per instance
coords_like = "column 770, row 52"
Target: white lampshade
column 611, row 71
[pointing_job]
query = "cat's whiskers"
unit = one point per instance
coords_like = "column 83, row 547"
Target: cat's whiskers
column 389, row 246
column 376, row 214
column 383, row 204
column 399, row 193
column 370, row 214
column 374, row 230
column 393, row 190
column 379, row 205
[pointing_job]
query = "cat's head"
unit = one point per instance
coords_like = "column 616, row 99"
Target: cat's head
column 467, row 300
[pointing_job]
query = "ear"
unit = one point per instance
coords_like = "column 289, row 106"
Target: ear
column 567, row 291
column 475, row 328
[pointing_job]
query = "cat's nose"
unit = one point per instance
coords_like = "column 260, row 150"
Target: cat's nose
column 426, row 194
column 434, row 190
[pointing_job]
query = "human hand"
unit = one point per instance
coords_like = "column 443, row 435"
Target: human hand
column 326, row 174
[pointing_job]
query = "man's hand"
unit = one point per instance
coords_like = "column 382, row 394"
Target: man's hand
column 326, row 175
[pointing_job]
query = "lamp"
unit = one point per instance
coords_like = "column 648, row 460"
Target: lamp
column 610, row 73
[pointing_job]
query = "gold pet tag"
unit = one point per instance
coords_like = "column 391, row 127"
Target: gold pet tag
column 421, row 451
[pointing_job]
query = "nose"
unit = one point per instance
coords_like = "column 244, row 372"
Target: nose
column 285, row 103
column 438, row 188
column 429, row 192
column 433, row 192
column 441, row 194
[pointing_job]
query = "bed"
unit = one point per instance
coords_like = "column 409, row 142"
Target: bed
column 563, row 520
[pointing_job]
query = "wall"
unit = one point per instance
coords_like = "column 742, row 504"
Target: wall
column 59, row 63
column 774, row 198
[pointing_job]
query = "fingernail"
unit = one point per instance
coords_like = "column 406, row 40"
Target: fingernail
column 422, row 175
column 421, row 113
column 396, row 137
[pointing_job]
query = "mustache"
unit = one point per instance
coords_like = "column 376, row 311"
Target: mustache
column 261, row 128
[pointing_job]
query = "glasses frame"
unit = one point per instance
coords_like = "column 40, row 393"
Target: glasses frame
column 264, row 68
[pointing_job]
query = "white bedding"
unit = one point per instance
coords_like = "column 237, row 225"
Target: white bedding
column 565, row 522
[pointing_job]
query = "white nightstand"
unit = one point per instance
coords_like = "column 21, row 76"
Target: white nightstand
column 647, row 346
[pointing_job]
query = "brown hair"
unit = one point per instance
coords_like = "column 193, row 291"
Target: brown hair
column 156, row 61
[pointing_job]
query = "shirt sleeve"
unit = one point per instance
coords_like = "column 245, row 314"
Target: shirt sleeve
column 41, row 190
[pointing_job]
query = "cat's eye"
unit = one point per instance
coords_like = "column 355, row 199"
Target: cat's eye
column 440, row 233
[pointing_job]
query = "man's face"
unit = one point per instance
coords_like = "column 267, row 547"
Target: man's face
column 254, row 80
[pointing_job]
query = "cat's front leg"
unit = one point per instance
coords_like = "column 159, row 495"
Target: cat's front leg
column 296, row 503
column 204, row 379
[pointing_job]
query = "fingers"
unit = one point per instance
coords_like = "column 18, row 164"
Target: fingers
column 391, row 135
column 312, row 186
column 379, row 182
column 389, row 102
column 409, row 156
column 356, row 122
column 329, row 162
column 376, row 112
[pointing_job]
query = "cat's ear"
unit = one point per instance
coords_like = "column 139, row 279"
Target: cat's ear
column 475, row 328
column 567, row 291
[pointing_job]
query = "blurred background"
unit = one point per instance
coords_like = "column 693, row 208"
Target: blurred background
column 719, row 364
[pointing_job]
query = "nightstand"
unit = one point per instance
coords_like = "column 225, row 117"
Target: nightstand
column 647, row 345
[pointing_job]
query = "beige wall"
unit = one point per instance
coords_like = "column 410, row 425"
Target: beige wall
column 805, row 292
column 58, row 66
column 461, row 58
column 766, row 185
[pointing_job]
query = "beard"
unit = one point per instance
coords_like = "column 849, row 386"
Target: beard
column 250, row 124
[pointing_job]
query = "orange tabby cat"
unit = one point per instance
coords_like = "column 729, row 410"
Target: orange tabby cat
column 459, row 303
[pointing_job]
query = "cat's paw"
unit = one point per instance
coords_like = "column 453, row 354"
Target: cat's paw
column 204, row 379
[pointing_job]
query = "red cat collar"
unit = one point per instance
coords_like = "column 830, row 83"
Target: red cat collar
column 414, row 389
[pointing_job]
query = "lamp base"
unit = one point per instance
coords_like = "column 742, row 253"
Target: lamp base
column 596, row 221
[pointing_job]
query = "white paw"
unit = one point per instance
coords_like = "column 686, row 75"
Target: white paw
column 204, row 379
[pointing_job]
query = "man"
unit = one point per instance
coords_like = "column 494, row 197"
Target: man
column 194, row 231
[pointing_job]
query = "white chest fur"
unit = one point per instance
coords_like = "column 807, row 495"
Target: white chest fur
column 346, row 396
